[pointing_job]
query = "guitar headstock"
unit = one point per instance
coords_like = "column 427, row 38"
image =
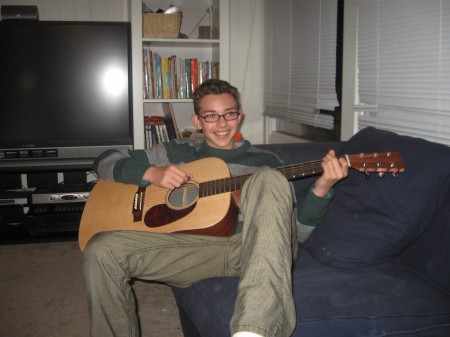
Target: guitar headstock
column 380, row 162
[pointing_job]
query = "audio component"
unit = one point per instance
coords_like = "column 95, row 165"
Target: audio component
column 19, row 13
column 13, row 198
column 62, row 193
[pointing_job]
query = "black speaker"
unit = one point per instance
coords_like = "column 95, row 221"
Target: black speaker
column 19, row 13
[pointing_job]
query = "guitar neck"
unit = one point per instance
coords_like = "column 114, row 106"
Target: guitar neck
column 232, row 184
column 380, row 162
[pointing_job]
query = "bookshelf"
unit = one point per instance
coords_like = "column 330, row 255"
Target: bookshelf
column 214, row 50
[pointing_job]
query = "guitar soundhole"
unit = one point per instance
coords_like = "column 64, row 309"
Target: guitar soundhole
column 183, row 197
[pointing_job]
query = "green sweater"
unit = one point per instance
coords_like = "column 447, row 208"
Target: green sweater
column 129, row 167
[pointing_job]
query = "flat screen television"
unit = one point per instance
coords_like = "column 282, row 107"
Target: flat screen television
column 66, row 93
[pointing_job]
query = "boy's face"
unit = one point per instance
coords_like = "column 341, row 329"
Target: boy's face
column 218, row 134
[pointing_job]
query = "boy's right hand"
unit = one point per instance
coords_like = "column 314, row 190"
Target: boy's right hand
column 170, row 177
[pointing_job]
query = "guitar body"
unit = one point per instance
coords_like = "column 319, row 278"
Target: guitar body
column 109, row 207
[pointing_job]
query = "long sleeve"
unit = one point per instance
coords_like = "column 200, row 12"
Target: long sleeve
column 310, row 212
column 129, row 166
column 126, row 167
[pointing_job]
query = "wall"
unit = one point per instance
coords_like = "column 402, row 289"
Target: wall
column 246, row 63
column 348, row 123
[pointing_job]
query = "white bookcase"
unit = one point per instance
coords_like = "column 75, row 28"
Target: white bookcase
column 216, row 50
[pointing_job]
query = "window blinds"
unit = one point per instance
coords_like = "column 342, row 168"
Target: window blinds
column 404, row 67
column 300, row 61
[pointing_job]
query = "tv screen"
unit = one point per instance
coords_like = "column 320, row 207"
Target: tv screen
column 66, row 92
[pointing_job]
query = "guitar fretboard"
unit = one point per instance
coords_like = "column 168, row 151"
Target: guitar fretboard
column 232, row 184
column 365, row 162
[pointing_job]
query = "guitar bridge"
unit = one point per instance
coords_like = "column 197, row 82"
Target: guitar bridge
column 138, row 204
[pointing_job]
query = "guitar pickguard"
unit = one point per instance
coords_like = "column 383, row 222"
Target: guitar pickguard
column 161, row 215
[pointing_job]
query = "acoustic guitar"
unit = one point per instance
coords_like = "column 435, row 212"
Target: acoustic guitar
column 202, row 206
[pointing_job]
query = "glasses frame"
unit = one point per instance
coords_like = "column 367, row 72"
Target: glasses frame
column 217, row 116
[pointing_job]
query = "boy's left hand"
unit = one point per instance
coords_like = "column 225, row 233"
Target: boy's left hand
column 334, row 169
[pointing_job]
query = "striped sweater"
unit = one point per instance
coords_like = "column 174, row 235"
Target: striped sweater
column 129, row 166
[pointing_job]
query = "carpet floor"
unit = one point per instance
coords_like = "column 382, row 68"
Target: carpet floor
column 42, row 293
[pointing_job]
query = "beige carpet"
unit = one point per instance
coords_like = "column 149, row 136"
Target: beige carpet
column 42, row 293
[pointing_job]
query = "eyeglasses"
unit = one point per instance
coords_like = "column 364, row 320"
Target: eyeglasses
column 229, row 116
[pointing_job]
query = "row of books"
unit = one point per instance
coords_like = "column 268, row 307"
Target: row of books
column 172, row 77
column 161, row 126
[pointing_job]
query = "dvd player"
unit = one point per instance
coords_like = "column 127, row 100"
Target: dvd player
column 62, row 193
column 13, row 198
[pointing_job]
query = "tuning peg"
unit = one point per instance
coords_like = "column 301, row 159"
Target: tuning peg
column 367, row 174
column 380, row 174
column 395, row 174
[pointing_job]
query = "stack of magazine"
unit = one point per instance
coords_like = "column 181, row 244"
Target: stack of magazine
column 161, row 126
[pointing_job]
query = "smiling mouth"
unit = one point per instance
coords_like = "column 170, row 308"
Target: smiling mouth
column 222, row 133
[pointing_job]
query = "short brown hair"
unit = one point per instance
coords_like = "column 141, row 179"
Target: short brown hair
column 215, row 87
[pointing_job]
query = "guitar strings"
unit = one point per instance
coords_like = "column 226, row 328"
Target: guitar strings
column 231, row 184
column 291, row 171
column 235, row 183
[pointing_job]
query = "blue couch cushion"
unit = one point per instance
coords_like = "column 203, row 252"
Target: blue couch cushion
column 382, row 300
column 370, row 220
column 430, row 254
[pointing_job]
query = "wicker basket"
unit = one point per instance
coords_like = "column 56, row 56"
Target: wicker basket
column 161, row 25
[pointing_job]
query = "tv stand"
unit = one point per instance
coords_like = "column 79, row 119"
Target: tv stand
column 44, row 219
column 47, row 211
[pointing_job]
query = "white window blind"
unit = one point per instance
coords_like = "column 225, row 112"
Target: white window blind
column 404, row 67
column 300, row 61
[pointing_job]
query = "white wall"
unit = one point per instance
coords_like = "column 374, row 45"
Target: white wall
column 348, row 122
column 246, row 63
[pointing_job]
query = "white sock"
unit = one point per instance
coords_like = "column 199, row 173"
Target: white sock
column 246, row 334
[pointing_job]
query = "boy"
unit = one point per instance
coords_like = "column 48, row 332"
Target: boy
column 261, row 252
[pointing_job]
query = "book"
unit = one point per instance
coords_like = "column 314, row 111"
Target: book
column 165, row 73
column 160, row 126
column 172, row 77
column 163, row 132
column 187, row 64
column 181, row 78
column 151, row 77
column 148, row 72
column 194, row 74
column 155, row 130
column 215, row 70
column 171, row 122
column 158, row 76
column 148, row 132
column 145, row 73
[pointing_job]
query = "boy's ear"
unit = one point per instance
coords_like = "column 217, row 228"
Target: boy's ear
column 241, row 115
column 196, row 121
